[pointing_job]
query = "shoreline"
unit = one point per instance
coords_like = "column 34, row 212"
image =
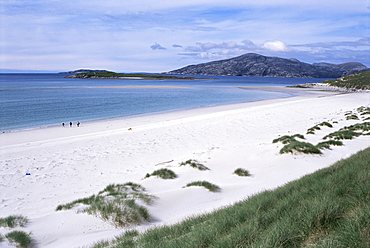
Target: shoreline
column 44, row 168
column 282, row 89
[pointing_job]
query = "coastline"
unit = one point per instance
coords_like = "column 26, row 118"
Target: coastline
column 69, row 163
column 281, row 89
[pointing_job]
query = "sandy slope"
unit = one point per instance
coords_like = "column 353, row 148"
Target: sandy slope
column 70, row 163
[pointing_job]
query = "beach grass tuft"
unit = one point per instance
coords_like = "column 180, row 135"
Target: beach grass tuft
column 300, row 147
column 195, row 164
column 329, row 208
column 163, row 173
column 210, row 186
column 365, row 126
column 19, row 239
column 286, row 139
column 312, row 130
column 352, row 117
column 242, row 172
column 327, row 144
column 342, row 135
column 117, row 203
column 13, row 221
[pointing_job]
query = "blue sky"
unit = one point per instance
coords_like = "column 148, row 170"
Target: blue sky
column 162, row 35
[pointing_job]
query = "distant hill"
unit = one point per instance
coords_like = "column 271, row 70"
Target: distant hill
column 252, row 64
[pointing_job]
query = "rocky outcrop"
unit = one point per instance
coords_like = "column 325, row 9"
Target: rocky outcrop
column 252, row 64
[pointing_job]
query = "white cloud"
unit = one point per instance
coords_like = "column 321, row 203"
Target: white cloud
column 40, row 33
column 276, row 46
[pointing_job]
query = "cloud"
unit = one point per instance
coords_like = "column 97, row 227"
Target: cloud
column 156, row 46
column 176, row 45
column 225, row 49
column 276, row 46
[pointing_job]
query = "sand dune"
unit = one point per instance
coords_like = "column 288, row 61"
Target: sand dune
column 70, row 163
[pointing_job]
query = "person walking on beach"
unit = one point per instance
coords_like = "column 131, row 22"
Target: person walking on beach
column 78, row 124
column 70, row 124
column 63, row 124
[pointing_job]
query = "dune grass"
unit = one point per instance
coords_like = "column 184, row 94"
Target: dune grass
column 194, row 164
column 292, row 145
column 329, row 208
column 210, row 186
column 117, row 203
column 242, row 172
column 342, row 135
column 19, row 239
column 163, row 173
column 286, row 139
column 13, row 221
column 327, row 144
column 300, row 147
column 312, row 130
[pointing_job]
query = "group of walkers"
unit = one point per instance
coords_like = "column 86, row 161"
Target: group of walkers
column 71, row 124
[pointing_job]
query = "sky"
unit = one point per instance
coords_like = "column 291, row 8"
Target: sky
column 163, row 35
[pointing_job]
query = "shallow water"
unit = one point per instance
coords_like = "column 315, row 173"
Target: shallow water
column 39, row 100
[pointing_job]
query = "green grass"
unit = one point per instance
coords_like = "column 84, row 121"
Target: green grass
column 329, row 208
column 325, row 123
column 163, row 173
column 327, row 144
column 19, row 239
column 286, row 139
column 117, row 203
column 242, row 172
column 352, row 117
column 358, row 81
column 312, row 130
column 342, row 135
column 363, row 127
column 300, row 147
column 210, row 186
column 13, row 221
column 194, row 164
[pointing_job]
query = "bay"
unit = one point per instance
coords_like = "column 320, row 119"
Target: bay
column 40, row 100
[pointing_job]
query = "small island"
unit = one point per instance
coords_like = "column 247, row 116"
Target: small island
column 114, row 75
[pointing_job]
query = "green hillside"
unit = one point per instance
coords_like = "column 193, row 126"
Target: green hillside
column 358, row 81
column 329, row 208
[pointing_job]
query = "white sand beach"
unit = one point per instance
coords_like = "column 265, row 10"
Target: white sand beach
column 65, row 164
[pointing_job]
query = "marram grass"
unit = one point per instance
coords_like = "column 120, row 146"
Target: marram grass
column 300, row 147
column 13, row 221
column 19, row 239
column 117, row 203
column 210, row 186
column 194, row 164
column 163, row 173
column 329, row 208
column 242, row 172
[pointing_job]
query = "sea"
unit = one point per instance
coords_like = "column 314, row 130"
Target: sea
column 30, row 101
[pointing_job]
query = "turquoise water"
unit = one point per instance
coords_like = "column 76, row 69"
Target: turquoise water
column 40, row 100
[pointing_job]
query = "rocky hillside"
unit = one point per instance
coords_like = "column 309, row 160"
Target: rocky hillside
column 252, row 64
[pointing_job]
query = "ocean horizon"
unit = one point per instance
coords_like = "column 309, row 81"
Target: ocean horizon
column 37, row 100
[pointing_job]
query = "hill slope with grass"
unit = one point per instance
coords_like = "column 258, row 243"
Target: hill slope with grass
column 329, row 208
column 355, row 82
